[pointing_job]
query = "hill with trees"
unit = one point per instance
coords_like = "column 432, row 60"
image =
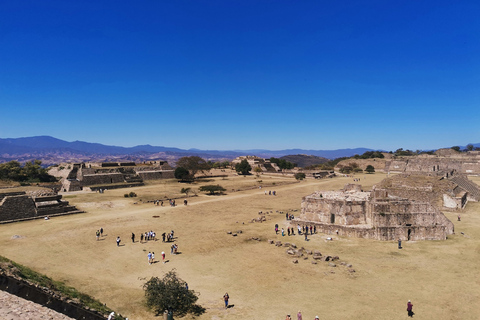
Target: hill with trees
column 303, row 160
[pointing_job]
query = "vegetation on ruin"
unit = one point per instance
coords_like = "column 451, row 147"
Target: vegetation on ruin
column 327, row 165
column 282, row 163
column 30, row 172
column 171, row 294
column 16, row 270
column 243, row 167
column 351, row 167
column 303, row 160
column 370, row 155
column 401, row 152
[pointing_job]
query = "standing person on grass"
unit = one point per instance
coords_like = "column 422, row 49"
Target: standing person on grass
column 299, row 315
column 410, row 309
column 225, row 298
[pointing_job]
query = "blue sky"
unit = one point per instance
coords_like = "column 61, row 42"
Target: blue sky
column 242, row 74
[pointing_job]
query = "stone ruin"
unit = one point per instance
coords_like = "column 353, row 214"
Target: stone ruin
column 121, row 174
column 19, row 206
column 447, row 194
column 443, row 163
column 255, row 162
column 374, row 215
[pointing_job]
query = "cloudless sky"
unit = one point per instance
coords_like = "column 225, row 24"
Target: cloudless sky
column 231, row 75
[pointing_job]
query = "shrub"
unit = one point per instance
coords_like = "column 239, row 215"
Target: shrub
column 299, row 175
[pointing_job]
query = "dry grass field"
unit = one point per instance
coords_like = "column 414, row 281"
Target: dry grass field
column 440, row 277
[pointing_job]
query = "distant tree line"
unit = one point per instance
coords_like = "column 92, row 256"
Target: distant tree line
column 370, row 155
column 469, row 147
column 30, row 172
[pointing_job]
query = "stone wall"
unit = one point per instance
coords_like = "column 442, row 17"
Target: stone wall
column 47, row 298
column 17, row 207
column 14, row 207
column 104, row 178
column 375, row 215
column 156, row 175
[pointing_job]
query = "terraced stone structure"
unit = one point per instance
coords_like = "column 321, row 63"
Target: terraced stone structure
column 120, row 174
column 374, row 215
column 256, row 162
column 18, row 206
column 443, row 163
column 446, row 194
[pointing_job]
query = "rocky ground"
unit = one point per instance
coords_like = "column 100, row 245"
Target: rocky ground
column 15, row 308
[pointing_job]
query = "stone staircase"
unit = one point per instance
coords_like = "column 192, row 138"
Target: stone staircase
column 467, row 185
column 54, row 205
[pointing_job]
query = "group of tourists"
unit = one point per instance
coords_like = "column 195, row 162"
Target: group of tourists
column 301, row 230
column 271, row 193
column 299, row 316
column 148, row 235
column 158, row 202
column 99, row 233
column 289, row 216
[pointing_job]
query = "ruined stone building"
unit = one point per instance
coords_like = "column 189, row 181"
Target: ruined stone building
column 451, row 193
column 443, row 162
column 19, row 206
column 255, row 162
column 374, row 215
column 120, row 174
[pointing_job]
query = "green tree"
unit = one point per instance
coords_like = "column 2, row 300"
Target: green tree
column 257, row 170
column 193, row 164
column 186, row 191
column 170, row 293
column 31, row 171
column 300, row 176
column 456, row 148
column 182, row 174
column 370, row 169
column 212, row 189
column 469, row 147
column 243, row 167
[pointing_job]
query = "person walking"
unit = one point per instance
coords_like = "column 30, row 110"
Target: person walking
column 283, row 233
column 149, row 256
column 133, row 237
column 163, row 257
column 97, row 234
column 118, row 241
column 399, row 243
column 225, row 298
column 101, row 232
column 410, row 309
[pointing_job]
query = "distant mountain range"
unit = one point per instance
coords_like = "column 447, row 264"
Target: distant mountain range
column 53, row 151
